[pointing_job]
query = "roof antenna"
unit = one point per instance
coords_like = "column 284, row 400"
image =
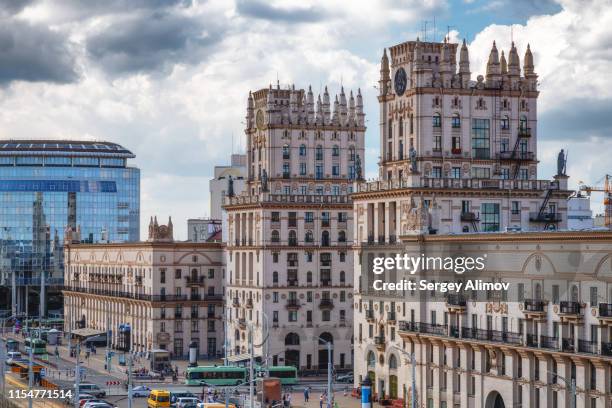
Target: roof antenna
column 512, row 32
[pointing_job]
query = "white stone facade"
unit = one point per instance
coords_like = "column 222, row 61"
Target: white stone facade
column 288, row 251
column 170, row 293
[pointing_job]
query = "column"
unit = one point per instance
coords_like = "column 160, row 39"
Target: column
column 602, row 371
column 478, row 365
column 387, row 212
column 466, row 372
column 527, row 373
column 452, row 353
column 375, row 221
column 582, row 382
column 564, row 370
column 544, row 368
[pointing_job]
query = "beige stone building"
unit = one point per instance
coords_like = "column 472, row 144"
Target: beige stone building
column 168, row 293
column 485, row 349
column 290, row 232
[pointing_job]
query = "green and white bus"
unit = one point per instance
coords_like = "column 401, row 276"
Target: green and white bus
column 38, row 346
column 286, row 374
column 216, row 375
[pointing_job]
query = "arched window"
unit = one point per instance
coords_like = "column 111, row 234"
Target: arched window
column 456, row 123
column 292, row 339
column 342, row 277
column 292, row 238
column 436, row 120
column 237, row 335
column 319, row 153
column 523, row 123
column 325, row 238
column 352, row 153
column 341, row 236
column 326, row 336
column 505, row 122
column 335, row 151
column 303, row 150
column 309, row 277
column 275, row 236
column 309, row 236
column 392, row 362
column 371, row 359
column 275, row 277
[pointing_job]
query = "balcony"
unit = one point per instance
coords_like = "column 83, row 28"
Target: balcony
column 380, row 342
column 286, row 156
column 569, row 308
column 605, row 310
column 585, row 346
column 524, row 132
column 326, row 304
column 567, row 345
column 242, row 323
column 293, row 304
column 381, row 239
column 492, row 335
column 249, row 303
column 534, row 307
column 292, row 242
column 236, row 302
column 178, row 315
column 391, row 317
column 326, row 282
column 469, row 217
column 606, row 349
column 392, row 239
column 292, row 283
column 532, row 340
column 456, row 303
column 369, row 314
column 549, row 342
column 545, row 217
column 520, row 155
column 194, row 280
column 195, row 315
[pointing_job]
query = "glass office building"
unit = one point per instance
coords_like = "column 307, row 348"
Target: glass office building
column 56, row 190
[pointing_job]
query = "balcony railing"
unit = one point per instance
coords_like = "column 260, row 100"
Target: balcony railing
column 130, row 295
column 469, row 217
column 534, row 305
column 605, row 310
column 391, row 316
column 369, row 314
column 585, row 346
column 606, row 349
column 236, row 302
column 524, row 132
column 457, row 183
column 545, row 217
column 326, row 304
column 194, row 280
column 567, row 345
column 293, row 304
column 492, row 335
column 549, row 342
column 249, row 303
column 380, row 341
column 569, row 308
column 456, row 300
column 428, row 328
column 532, row 340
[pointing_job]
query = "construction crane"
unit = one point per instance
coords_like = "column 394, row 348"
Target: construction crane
column 607, row 190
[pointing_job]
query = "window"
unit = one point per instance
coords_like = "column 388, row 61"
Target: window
column 342, row 256
column 326, row 315
column 286, row 154
column 481, row 172
column 336, row 170
column 177, row 274
column 335, row 151
column 456, row 121
column 555, row 294
column 302, row 169
column 275, row 216
column 285, row 170
column 480, row 139
column 489, row 215
column 275, row 278
column 162, row 275
column 390, row 129
column 211, row 274
column 309, row 237
column 275, row 236
column 516, row 207
column 505, row 123
column 437, row 142
column 342, row 217
column 436, row 120
column 505, row 144
column 456, row 144
column 524, row 174
column 341, row 236
column 504, row 173
column 342, row 277
column 456, row 172
column 351, row 153
column 319, row 171
column 436, row 172
column 401, row 127
column 275, row 257
column 303, row 150
column 523, row 123
column 308, row 216
column 593, row 296
column 319, row 153
column 292, row 315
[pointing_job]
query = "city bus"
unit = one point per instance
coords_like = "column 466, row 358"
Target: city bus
column 216, row 375
column 286, row 374
column 38, row 346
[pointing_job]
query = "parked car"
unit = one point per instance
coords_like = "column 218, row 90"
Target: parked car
column 141, row 391
column 89, row 401
column 345, row 378
column 12, row 357
column 92, row 389
column 181, row 402
column 175, row 395
column 98, row 404
column 86, row 398
column 98, row 341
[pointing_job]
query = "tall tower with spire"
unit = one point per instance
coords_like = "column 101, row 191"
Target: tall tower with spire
column 291, row 230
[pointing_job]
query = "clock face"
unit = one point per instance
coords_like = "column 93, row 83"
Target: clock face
column 400, row 81
column 259, row 120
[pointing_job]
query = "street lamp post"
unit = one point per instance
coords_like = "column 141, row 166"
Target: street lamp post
column 329, row 369
column 413, row 401
column 572, row 386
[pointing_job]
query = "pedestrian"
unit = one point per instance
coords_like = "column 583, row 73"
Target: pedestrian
column 288, row 400
column 306, row 394
column 321, row 401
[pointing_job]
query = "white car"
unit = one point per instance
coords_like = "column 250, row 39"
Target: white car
column 98, row 404
column 183, row 401
column 141, row 391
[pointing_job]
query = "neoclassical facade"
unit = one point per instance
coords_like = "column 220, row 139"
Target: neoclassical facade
column 485, row 349
column 168, row 293
column 290, row 232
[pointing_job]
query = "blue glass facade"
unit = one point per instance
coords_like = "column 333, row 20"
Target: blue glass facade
column 48, row 188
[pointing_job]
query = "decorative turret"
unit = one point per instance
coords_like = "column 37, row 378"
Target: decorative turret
column 320, row 119
column 351, row 108
column 161, row 233
column 250, row 111
column 293, row 105
column 493, row 68
column 310, row 106
column 385, row 79
column 326, row 106
column 504, row 65
column 343, row 107
column 528, row 64
column 336, row 113
column 514, row 65
column 445, row 65
column 359, row 109
column 464, row 65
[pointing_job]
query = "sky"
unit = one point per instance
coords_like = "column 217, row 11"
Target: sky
column 169, row 79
